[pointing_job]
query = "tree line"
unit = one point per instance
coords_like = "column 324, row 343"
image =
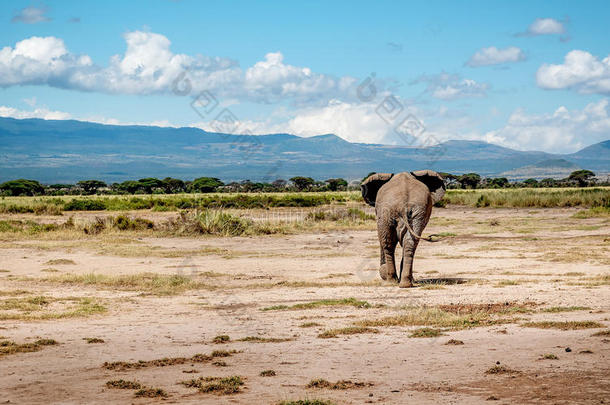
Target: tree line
column 169, row 185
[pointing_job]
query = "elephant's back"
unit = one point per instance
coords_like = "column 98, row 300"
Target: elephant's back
column 401, row 190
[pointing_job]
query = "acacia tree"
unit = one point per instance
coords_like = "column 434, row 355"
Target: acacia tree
column 302, row 183
column 22, row 187
column 171, row 185
column 91, row 186
column 469, row 180
column 336, row 184
column 531, row 182
column 582, row 177
column 206, row 184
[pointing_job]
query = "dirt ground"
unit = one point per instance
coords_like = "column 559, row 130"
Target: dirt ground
column 520, row 265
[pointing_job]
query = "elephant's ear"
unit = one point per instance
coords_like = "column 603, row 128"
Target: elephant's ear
column 434, row 181
column 371, row 185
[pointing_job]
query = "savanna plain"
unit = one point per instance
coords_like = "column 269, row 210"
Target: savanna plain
column 281, row 303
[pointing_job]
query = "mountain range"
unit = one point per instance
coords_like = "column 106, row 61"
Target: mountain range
column 59, row 151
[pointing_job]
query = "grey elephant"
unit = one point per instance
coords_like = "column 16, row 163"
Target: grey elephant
column 403, row 205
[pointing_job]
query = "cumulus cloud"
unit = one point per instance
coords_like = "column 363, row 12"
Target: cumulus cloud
column 562, row 131
column 545, row 26
column 445, row 86
column 495, row 56
column 31, row 15
column 580, row 71
column 148, row 66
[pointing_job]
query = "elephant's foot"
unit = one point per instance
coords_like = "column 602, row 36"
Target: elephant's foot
column 406, row 282
column 385, row 275
column 382, row 272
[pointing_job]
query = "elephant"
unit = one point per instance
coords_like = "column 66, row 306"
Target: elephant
column 403, row 205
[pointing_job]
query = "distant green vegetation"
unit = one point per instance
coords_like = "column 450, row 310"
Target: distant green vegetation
column 161, row 202
column 588, row 197
column 530, row 197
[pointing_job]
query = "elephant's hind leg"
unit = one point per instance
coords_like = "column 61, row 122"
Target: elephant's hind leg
column 387, row 241
column 409, row 244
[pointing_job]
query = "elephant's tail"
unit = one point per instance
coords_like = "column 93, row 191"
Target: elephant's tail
column 416, row 236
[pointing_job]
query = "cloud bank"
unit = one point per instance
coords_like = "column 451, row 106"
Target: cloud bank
column 148, row 66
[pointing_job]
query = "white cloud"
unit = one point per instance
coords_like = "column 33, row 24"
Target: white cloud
column 545, row 26
column 39, row 60
column 43, row 113
column 562, row 131
column 31, row 15
column 495, row 56
column 580, row 71
column 148, row 66
column 446, row 86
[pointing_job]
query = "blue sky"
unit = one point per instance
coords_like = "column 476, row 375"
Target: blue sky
column 528, row 75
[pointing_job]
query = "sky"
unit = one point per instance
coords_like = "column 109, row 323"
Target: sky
column 522, row 74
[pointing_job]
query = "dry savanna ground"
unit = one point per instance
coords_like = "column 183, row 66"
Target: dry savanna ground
column 511, row 306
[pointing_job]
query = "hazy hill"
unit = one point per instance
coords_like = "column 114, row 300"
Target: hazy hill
column 66, row 151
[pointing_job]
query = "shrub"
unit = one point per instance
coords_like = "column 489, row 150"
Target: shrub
column 85, row 205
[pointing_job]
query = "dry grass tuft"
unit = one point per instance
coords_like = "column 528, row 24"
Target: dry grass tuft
column 123, row 384
column 8, row 347
column 426, row 333
column 454, row 342
column 309, row 325
column 564, row 309
column 151, row 393
column 166, row 361
column 94, row 340
column 42, row 307
column 344, row 302
column 436, row 317
column 216, row 385
column 499, row 369
column 602, row 333
column 563, row 325
column 339, row 385
column 267, row 373
column 350, row 330
column 548, row 356
column 221, row 339
column 56, row 262
column 258, row 339
column 151, row 283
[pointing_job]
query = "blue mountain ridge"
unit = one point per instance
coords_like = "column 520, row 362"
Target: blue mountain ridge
column 54, row 151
